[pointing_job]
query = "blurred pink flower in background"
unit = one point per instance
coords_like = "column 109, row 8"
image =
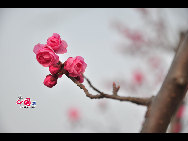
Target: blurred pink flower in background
column 177, row 123
column 180, row 111
column 154, row 62
column 73, row 114
column 134, row 36
column 137, row 77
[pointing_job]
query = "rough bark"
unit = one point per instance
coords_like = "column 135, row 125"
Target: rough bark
column 171, row 94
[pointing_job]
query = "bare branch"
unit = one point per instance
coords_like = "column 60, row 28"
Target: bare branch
column 139, row 101
column 92, row 85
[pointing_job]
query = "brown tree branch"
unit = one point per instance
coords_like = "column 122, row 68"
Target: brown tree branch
column 171, row 94
column 100, row 95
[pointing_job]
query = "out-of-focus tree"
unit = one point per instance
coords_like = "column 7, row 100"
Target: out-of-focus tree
column 145, row 43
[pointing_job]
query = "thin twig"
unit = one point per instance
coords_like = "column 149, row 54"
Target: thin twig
column 139, row 101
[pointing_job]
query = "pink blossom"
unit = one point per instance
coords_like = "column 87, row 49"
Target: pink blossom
column 59, row 46
column 50, row 81
column 54, row 69
column 45, row 55
column 75, row 66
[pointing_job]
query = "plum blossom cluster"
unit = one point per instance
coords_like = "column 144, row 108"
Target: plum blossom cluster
column 46, row 55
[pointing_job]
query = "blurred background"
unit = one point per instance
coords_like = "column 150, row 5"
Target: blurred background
column 133, row 47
